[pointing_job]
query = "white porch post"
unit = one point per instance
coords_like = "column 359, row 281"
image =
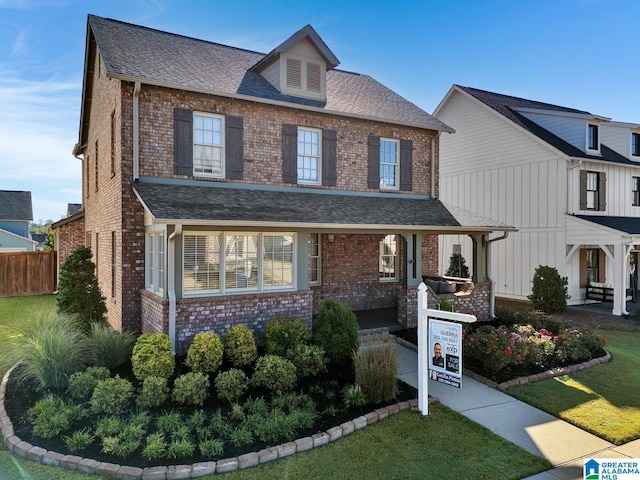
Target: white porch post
column 619, row 281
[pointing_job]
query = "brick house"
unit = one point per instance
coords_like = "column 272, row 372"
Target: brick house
column 223, row 186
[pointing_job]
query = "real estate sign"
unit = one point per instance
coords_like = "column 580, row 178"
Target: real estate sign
column 445, row 352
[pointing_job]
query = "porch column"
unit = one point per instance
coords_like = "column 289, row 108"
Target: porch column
column 479, row 257
column 413, row 259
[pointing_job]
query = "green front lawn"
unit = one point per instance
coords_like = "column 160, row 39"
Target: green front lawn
column 604, row 400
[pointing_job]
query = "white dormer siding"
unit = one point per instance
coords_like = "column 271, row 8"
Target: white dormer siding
column 300, row 71
column 572, row 129
column 617, row 138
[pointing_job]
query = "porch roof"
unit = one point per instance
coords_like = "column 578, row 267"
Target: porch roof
column 215, row 204
column 625, row 225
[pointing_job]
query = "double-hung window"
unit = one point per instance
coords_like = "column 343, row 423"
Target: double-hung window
column 230, row 262
column 309, row 155
column 388, row 260
column 154, row 262
column 593, row 142
column 389, row 164
column 635, row 191
column 592, row 191
column 635, row 144
column 208, row 145
column 315, row 258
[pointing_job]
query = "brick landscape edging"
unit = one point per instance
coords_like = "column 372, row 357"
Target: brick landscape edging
column 200, row 469
column 554, row 372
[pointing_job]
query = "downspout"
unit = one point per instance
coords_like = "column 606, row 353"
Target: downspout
column 171, row 284
column 492, row 298
column 136, row 131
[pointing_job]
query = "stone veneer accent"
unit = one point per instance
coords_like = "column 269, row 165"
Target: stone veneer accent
column 111, row 470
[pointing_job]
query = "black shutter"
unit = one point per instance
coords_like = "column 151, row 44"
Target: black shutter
column 374, row 162
column 182, row 141
column 583, row 190
column 234, row 144
column 289, row 153
column 406, row 165
column 329, row 158
column 602, row 191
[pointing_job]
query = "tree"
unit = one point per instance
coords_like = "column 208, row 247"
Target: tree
column 549, row 290
column 78, row 290
column 457, row 267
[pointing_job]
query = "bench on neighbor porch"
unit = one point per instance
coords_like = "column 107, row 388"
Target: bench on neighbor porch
column 602, row 292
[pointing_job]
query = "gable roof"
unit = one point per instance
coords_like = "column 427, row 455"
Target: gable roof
column 626, row 225
column 208, row 203
column 140, row 54
column 507, row 106
column 15, row 205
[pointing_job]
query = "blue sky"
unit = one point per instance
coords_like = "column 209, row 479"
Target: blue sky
column 579, row 53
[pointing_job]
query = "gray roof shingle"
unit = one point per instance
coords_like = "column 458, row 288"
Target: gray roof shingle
column 219, row 203
column 15, row 205
column 506, row 105
column 161, row 58
column 628, row 225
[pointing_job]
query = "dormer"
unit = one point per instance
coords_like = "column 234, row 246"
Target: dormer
column 299, row 65
column 593, row 138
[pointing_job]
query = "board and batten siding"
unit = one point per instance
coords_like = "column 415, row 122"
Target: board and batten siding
column 491, row 167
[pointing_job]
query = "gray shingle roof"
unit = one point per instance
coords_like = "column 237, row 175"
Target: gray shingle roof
column 506, row 105
column 219, row 203
column 15, row 205
column 156, row 57
column 628, row 225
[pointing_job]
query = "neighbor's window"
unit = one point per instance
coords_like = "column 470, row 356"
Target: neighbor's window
column 308, row 155
column 388, row 258
column 592, row 137
column 635, row 190
column 388, row 163
column 208, row 145
column 315, row 258
column 635, row 144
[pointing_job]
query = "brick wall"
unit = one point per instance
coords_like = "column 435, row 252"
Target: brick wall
column 68, row 236
column 475, row 303
column 430, row 255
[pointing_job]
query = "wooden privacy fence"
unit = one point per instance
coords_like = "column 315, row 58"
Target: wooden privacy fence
column 27, row 273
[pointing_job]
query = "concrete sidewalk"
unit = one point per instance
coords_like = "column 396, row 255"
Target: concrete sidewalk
column 534, row 430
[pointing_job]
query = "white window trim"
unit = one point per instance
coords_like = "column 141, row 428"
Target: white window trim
column 319, row 162
column 588, row 149
column 317, row 282
column 223, row 146
column 397, row 164
column 223, row 290
column 395, row 267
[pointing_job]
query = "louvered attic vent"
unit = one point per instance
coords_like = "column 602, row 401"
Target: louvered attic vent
column 313, row 77
column 294, row 73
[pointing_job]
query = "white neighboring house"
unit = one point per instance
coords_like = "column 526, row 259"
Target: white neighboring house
column 567, row 179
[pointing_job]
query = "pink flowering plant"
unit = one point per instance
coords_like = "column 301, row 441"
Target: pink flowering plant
column 507, row 351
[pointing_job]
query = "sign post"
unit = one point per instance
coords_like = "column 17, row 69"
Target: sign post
column 449, row 341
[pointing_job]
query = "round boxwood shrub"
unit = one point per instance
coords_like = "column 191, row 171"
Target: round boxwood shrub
column 549, row 290
column 191, row 388
column 154, row 392
column 231, row 385
column 308, row 359
column 82, row 384
column 274, row 373
column 283, row 333
column 112, row 395
column 205, row 353
column 152, row 356
column 335, row 329
column 240, row 346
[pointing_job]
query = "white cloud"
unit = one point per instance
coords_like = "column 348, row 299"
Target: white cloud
column 19, row 44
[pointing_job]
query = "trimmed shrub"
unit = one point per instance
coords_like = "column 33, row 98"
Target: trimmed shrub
column 377, row 372
column 82, row 384
column 231, row 385
column 240, row 346
column 274, row 373
column 283, row 333
column 191, row 388
column 51, row 349
column 78, row 290
column 335, row 329
column 152, row 356
column 112, row 395
column 549, row 290
column 154, row 392
column 308, row 359
column 205, row 353
column 108, row 347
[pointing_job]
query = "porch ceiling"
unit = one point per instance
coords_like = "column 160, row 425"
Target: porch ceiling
column 217, row 205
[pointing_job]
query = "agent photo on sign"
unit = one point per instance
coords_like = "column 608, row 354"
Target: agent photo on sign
column 438, row 359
